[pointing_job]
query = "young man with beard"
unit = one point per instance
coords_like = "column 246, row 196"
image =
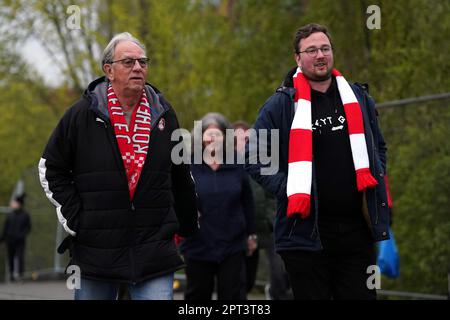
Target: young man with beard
column 332, row 199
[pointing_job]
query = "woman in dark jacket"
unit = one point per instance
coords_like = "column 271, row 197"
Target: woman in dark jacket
column 226, row 218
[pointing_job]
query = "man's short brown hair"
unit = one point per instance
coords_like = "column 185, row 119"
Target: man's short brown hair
column 306, row 31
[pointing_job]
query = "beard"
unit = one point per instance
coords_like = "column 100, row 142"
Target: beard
column 316, row 76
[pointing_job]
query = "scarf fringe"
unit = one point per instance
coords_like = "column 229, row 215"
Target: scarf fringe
column 388, row 192
column 364, row 179
column 299, row 203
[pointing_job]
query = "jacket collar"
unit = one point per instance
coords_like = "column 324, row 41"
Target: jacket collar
column 96, row 95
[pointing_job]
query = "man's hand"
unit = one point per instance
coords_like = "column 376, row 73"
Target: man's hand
column 252, row 244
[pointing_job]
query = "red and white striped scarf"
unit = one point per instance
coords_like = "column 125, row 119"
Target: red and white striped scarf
column 133, row 144
column 300, row 144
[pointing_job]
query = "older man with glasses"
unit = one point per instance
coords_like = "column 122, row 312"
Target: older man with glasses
column 107, row 168
column 332, row 196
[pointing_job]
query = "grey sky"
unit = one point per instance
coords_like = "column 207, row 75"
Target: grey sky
column 36, row 56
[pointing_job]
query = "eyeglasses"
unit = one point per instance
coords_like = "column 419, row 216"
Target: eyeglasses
column 312, row 52
column 130, row 62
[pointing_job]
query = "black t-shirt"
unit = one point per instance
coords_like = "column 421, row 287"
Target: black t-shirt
column 338, row 196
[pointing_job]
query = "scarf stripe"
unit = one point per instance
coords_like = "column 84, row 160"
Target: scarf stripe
column 300, row 143
column 300, row 169
column 303, row 153
column 359, row 151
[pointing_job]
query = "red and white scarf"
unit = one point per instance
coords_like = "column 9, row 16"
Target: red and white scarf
column 300, row 144
column 133, row 144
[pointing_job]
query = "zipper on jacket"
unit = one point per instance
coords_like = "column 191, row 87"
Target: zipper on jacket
column 373, row 166
column 373, row 162
column 116, row 151
column 131, row 244
column 113, row 145
column 316, row 207
column 133, row 281
column 293, row 227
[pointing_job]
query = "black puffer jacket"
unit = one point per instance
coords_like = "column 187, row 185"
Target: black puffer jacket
column 82, row 173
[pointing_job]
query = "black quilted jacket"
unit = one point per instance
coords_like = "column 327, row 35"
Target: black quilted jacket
column 111, row 237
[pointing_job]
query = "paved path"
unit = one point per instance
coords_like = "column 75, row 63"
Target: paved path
column 35, row 290
column 50, row 290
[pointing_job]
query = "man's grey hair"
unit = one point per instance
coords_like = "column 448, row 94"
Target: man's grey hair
column 108, row 53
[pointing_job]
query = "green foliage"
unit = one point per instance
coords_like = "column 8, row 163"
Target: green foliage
column 229, row 56
column 29, row 113
column 41, row 244
column 213, row 58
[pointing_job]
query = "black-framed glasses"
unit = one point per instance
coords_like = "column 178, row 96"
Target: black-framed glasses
column 313, row 51
column 130, row 62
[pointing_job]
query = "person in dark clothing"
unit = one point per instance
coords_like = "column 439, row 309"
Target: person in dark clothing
column 252, row 260
column 16, row 228
column 227, row 227
column 108, row 170
column 278, row 287
column 330, row 178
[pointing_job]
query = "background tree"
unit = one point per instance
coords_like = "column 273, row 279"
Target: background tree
column 229, row 56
